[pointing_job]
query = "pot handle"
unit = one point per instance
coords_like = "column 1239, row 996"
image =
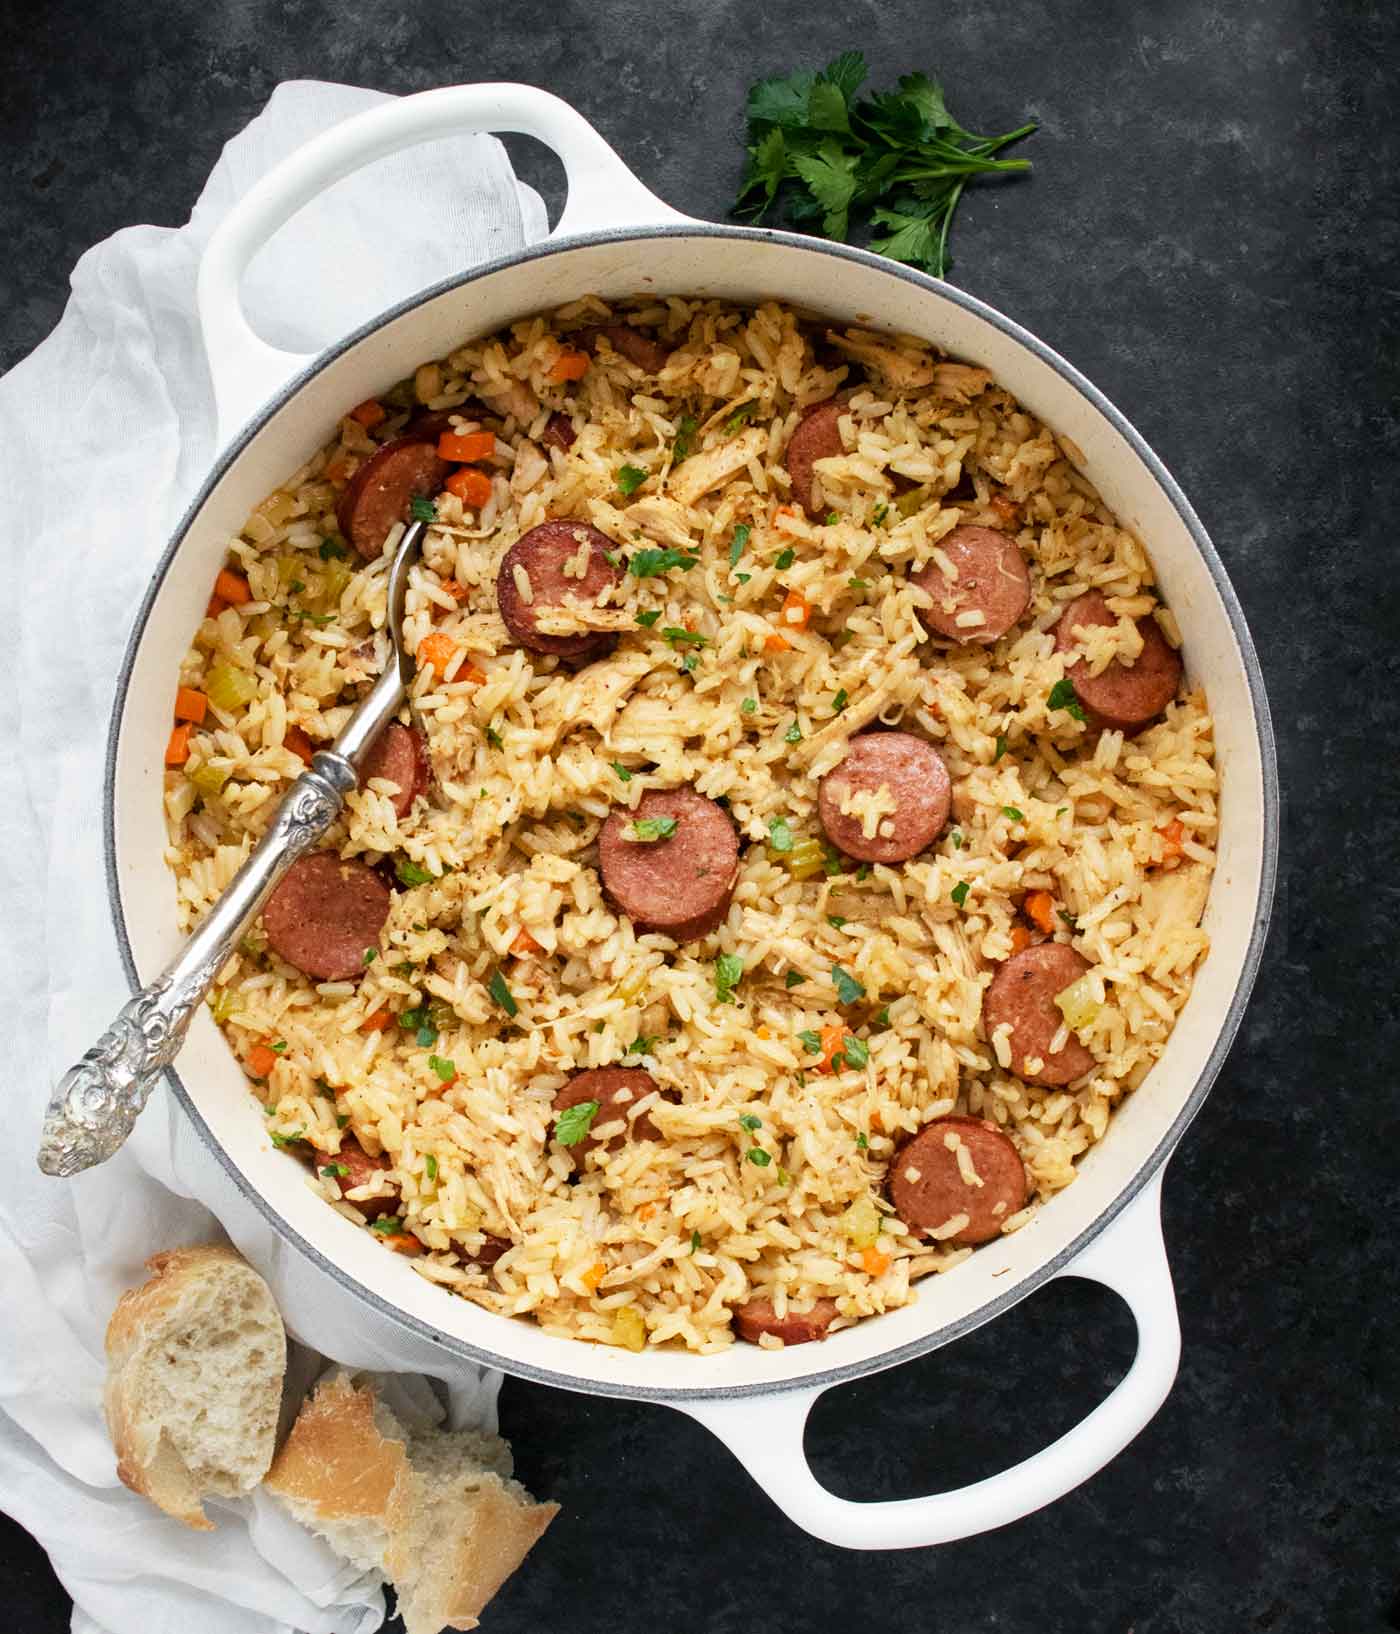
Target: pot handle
column 602, row 192
column 765, row 1432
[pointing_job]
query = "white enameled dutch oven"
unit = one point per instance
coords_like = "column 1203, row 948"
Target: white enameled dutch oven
column 615, row 239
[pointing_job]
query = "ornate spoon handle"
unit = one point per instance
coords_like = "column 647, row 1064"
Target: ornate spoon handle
column 94, row 1107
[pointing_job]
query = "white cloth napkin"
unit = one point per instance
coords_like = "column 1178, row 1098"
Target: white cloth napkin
column 105, row 432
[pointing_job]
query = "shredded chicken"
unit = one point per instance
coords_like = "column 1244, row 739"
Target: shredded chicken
column 707, row 470
column 660, row 519
column 513, row 398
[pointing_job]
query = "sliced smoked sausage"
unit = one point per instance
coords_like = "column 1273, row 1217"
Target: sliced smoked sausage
column 360, row 1168
column 991, row 581
column 381, row 492
column 324, row 915
column 644, row 350
column 917, row 780
column 1023, row 993
column 680, row 885
column 541, row 556
column 616, row 1089
column 1127, row 696
column 399, row 756
column 756, row 1317
column 929, row 1188
column 817, row 437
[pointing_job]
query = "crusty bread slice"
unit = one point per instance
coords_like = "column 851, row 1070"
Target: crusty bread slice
column 195, row 1360
column 435, row 1510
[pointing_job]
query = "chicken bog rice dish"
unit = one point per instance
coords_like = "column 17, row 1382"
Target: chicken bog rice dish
column 792, row 851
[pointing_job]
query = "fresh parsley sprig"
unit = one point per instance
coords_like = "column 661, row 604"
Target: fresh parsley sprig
column 898, row 158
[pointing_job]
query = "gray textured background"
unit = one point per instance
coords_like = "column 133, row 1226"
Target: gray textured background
column 1211, row 235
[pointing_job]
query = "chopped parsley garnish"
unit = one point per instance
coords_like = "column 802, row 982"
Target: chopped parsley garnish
column 758, row 1157
column 748, row 1121
column 574, row 1122
column 446, row 1070
column 1015, row 815
column 493, row 737
column 503, row 996
column 1001, row 749
column 879, row 514
column 794, row 978
column 1063, row 696
column 409, row 873
column 862, row 1144
column 897, row 157
column 647, row 830
column 857, row 1051
column 296, row 587
column 392, row 1226
column 1070, row 919
column 957, row 838
column 370, row 955
column 690, row 663
column 793, row 734
column 743, row 578
column 839, row 702
column 740, row 417
column 729, row 972
column 780, row 834
column 831, row 519
column 280, row 1047
column 686, row 427
column 646, row 620
column 858, row 584
column 643, row 1044
column 630, row 478
column 430, row 1168
column 624, row 776
column 785, row 558
column 810, row 1040
column 749, row 706
column 651, row 564
column 341, row 1119
column 289, row 1138
column 422, row 510
column 883, row 1019
column 959, row 892
column 694, row 1241
column 741, row 539
column 784, row 1178
column 836, row 920
column 612, row 557
column 848, row 989
column 334, row 1171
column 331, row 548
column 678, row 637
column 863, row 872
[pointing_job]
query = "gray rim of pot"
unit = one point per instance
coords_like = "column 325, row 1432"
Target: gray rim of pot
column 1268, row 765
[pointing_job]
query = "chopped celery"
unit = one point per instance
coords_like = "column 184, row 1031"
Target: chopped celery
column 910, row 503
column 862, row 1223
column 805, row 860
column 228, row 687
column 210, row 777
column 221, row 1002
column 334, row 579
column 630, row 991
column 629, row 1329
column 1078, row 1005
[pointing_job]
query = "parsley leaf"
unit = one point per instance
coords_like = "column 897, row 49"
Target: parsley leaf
column 1015, row 815
column 574, row 1122
column 503, row 996
column 748, row 1121
column 334, row 1170
column 785, row 558
column 624, row 776
column 839, row 702
column 862, row 1144
column 651, row 564
column 630, row 478
column 1063, row 696
column 741, row 539
column 848, row 989
column 387, row 1226
column 857, row 1051
column 446, row 1070
column 694, row 1241
column 329, row 548
column 757, row 1156
column 409, row 873
column 646, row 620
column 740, row 417
column 422, row 510
column 683, row 447
column 810, row 1041
column 1001, row 749
column 677, row 637
column 647, row 830
column 835, row 920
column 959, row 892
column 794, row 978
column 729, row 971
column 749, row 706
column 779, row 834
column 494, row 738
column 793, row 734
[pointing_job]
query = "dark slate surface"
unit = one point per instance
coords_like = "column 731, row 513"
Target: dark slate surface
column 1211, row 234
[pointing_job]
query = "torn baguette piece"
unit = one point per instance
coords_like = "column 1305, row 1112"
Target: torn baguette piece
column 195, row 1362
column 435, row 1510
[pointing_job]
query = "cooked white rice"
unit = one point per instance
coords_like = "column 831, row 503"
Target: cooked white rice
column 524, row 752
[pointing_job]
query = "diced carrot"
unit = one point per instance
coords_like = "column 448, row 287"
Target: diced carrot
column 524, row 944
column 215, row 607
column 402, row 1242
column 261, row 1060
column 877, row 1123
column 1172, row 836
column 833, row 1042
column 471, row 486
column 190, row 705
column 1007, row 509
column 1020, row 938
column 763, row 1032
column 1039, row 908
column 874, row 1263
column 469, row 672
column 796, row 611
column 648, row 1211
column 378, row 1022
column 436, row 651
column 233, row 587
column 297, row 741
column 369, row 413
column 458, row 592
column 570, row 366
column 787, row 510
column 776, row 643
column 466, row 445
column 177, row 751
column 593, row 1276
column 340, row 470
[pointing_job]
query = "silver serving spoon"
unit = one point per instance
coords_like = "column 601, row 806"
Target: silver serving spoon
column 95, row 1105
